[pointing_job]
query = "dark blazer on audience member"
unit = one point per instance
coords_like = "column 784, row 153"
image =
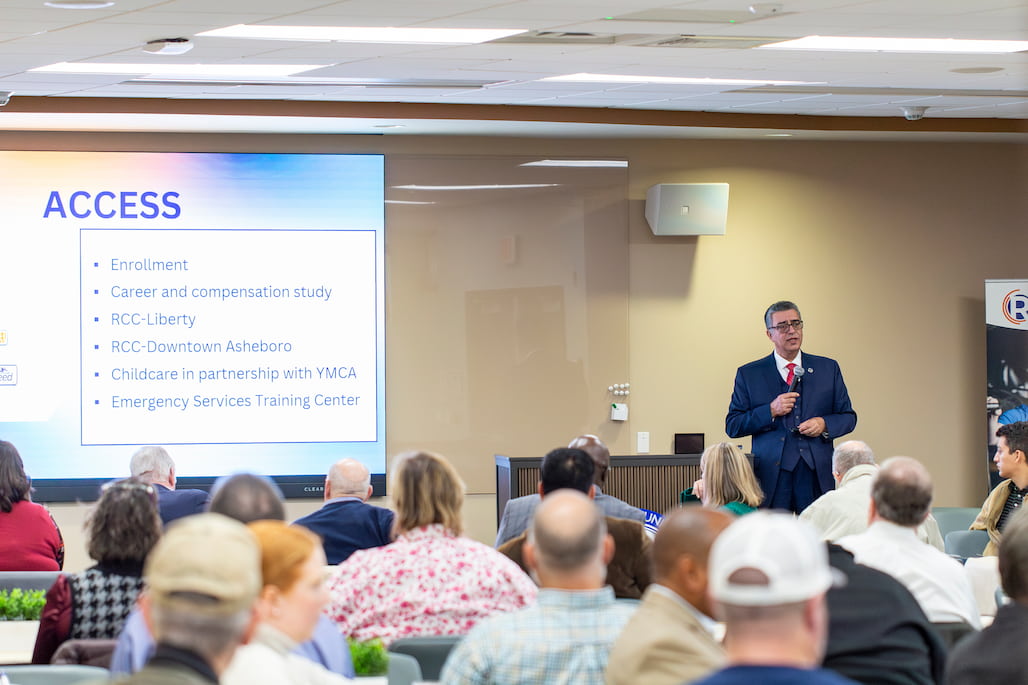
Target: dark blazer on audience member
column 628, row 572
column 174, row 504
column 347, row 525
column 877, row 632
column 995, row 655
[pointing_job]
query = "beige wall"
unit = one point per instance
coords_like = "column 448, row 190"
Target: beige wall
column 885, row 246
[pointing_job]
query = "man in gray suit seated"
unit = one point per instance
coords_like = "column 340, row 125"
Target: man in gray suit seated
column 518, row 512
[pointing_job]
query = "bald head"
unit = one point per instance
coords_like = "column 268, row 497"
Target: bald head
column 348, row 478
column 594, row 447
column 902, row 492
column 686, row 531
column 567, row 534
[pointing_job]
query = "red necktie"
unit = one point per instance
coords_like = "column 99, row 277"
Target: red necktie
column 791, row 375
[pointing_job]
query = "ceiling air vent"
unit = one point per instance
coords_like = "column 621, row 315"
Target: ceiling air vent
column 560, row 38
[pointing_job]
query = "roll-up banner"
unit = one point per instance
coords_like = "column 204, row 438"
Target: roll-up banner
column 1006, row 349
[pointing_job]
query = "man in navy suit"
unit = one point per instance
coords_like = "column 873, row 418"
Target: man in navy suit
column 154, row 465
column 346, row 522
column 792, row 431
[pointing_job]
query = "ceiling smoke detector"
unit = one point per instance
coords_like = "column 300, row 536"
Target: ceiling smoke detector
column 913, row 113
column 168, row 46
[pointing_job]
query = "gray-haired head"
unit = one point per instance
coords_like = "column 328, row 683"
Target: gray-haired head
column 902, row 491
column 567, row 532
column 152, row 464
column 849, row 454
column 780, row 306
column 349, row 477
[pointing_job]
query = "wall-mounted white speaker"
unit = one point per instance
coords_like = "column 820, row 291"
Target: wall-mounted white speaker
column 687, row 208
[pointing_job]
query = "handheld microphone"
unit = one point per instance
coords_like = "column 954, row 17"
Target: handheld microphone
column 797, row 376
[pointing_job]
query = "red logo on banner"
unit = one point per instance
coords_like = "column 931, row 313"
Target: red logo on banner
column 1015, row 307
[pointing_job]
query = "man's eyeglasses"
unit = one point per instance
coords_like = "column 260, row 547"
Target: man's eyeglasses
column 786, row 325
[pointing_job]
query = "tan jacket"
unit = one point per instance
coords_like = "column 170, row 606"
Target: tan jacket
column 628, row 572
column 988, row 517
column 663, row 644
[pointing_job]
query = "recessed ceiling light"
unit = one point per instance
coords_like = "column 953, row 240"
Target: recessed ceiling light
column 778, row 135
column 508, row 186
column 225, row 70
column 361, row 34
column 388, row 126
column 874, row 44
column 597, row 163
column 623, row 78
column 78, row 4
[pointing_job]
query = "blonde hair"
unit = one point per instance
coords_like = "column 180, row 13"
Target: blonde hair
column 426, row 490
column 728, row 477
column 284, row 550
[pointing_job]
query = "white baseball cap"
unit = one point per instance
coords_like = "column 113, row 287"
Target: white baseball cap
column 778, row 547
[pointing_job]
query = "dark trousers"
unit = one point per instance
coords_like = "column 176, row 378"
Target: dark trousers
column 795, row 489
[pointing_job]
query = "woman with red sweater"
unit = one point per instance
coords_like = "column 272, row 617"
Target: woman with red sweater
column 29, row 537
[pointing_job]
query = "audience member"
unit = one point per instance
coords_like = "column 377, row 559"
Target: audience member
column 29, row 537
column 245, row 497
column 628, row 572
column 122, row 529
column 997, row 654
column 517, row 514
column 431, row 580
column 202, row 581
column 346, row 523
column 768, row 578
column 897, row 646
column 843, row 511
column 672, row 638
column 901, row 497
column 1006, row 498
column 567, row 635
column 154, row 465
column 727, row 481
column 289, row 607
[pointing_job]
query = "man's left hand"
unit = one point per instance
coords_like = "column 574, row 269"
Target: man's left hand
column 812, row 427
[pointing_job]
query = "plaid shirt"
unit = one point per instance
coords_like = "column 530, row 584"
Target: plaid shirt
column 563, row 639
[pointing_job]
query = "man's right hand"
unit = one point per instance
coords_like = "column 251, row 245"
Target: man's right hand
column 783, row 404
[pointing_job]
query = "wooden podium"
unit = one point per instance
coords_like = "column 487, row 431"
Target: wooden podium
column 647, row 481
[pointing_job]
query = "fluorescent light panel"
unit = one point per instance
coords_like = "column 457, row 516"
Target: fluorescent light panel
column 590, row 163
column 873, row 44
column 623, row 78
column 508, row 186
column 227, row 70
column 361, row 34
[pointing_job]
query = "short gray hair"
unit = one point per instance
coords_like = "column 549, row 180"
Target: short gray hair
column 850, row 454
column 780, row 306
column 209, row 635
column 341, row 481
column 151, row 464
column 902, row 491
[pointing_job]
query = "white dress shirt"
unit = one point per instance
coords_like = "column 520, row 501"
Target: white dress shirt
column 936, row 580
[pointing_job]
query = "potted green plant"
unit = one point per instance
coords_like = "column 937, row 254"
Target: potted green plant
column 369, row 658
column 19, row 622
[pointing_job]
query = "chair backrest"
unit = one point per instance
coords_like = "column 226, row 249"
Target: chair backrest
column 54, row 674
column 403, row 669
column 91, row 652
column 951, row 633
column 27, row 580
column 966, row 543
column 954, row 518
column 430, row 651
